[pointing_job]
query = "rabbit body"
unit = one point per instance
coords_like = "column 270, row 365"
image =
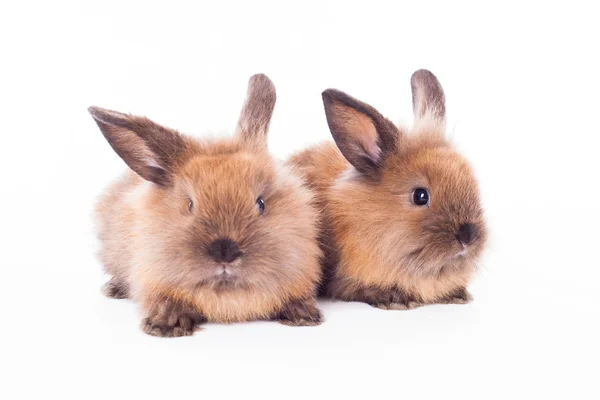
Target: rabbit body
column 208, row 230
column 401, row 220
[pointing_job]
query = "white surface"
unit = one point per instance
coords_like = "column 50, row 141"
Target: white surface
column 522, row 88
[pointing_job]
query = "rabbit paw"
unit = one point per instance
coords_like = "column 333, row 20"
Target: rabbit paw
column 405, row 305
column 116, row 289
column 387, row 299
column 300, row 313
column 460, row 296
column 169, row 318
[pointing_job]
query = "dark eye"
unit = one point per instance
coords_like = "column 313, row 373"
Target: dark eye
column 260, row 204
column 421, row 197
column 191, row 205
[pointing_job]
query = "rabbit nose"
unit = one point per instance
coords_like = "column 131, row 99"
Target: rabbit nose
column 467, row 233
column 224, row 250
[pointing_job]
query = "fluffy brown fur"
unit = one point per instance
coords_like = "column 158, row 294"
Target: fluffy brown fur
column 380, row 247
column 159, row 223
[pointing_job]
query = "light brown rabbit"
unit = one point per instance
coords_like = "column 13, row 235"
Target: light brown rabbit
column 402, row 221
column 208, row 230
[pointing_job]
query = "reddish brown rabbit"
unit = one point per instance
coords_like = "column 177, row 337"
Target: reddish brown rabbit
column 402, row 220
column 208, row 230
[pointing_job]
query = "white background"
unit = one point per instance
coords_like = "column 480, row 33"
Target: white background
column 522, row 87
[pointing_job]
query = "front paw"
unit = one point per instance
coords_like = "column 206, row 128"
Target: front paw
column 461, row 296
column 300, row 313
column 387, row 298
column 116, row 289
column 404, row 305
column 169, row 318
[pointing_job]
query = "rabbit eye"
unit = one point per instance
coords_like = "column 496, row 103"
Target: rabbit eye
column 421, row 197
column 260, row 205
column 191, row 205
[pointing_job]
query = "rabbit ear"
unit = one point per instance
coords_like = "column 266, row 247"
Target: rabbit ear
column 361, row 133
column 427, row 95
column 255, row 117
column 149, row 149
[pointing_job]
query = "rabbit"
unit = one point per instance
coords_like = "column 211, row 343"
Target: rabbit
column 208, row 231
column 402, row 225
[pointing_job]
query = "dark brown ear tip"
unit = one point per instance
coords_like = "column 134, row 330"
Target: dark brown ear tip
column 326, row 95
column 331, row 95
column 109, row 117
column 422, row 74
column 100, row 115
column 95, row 111
column 259, row 77
column 425, row 78
column 261, row 80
